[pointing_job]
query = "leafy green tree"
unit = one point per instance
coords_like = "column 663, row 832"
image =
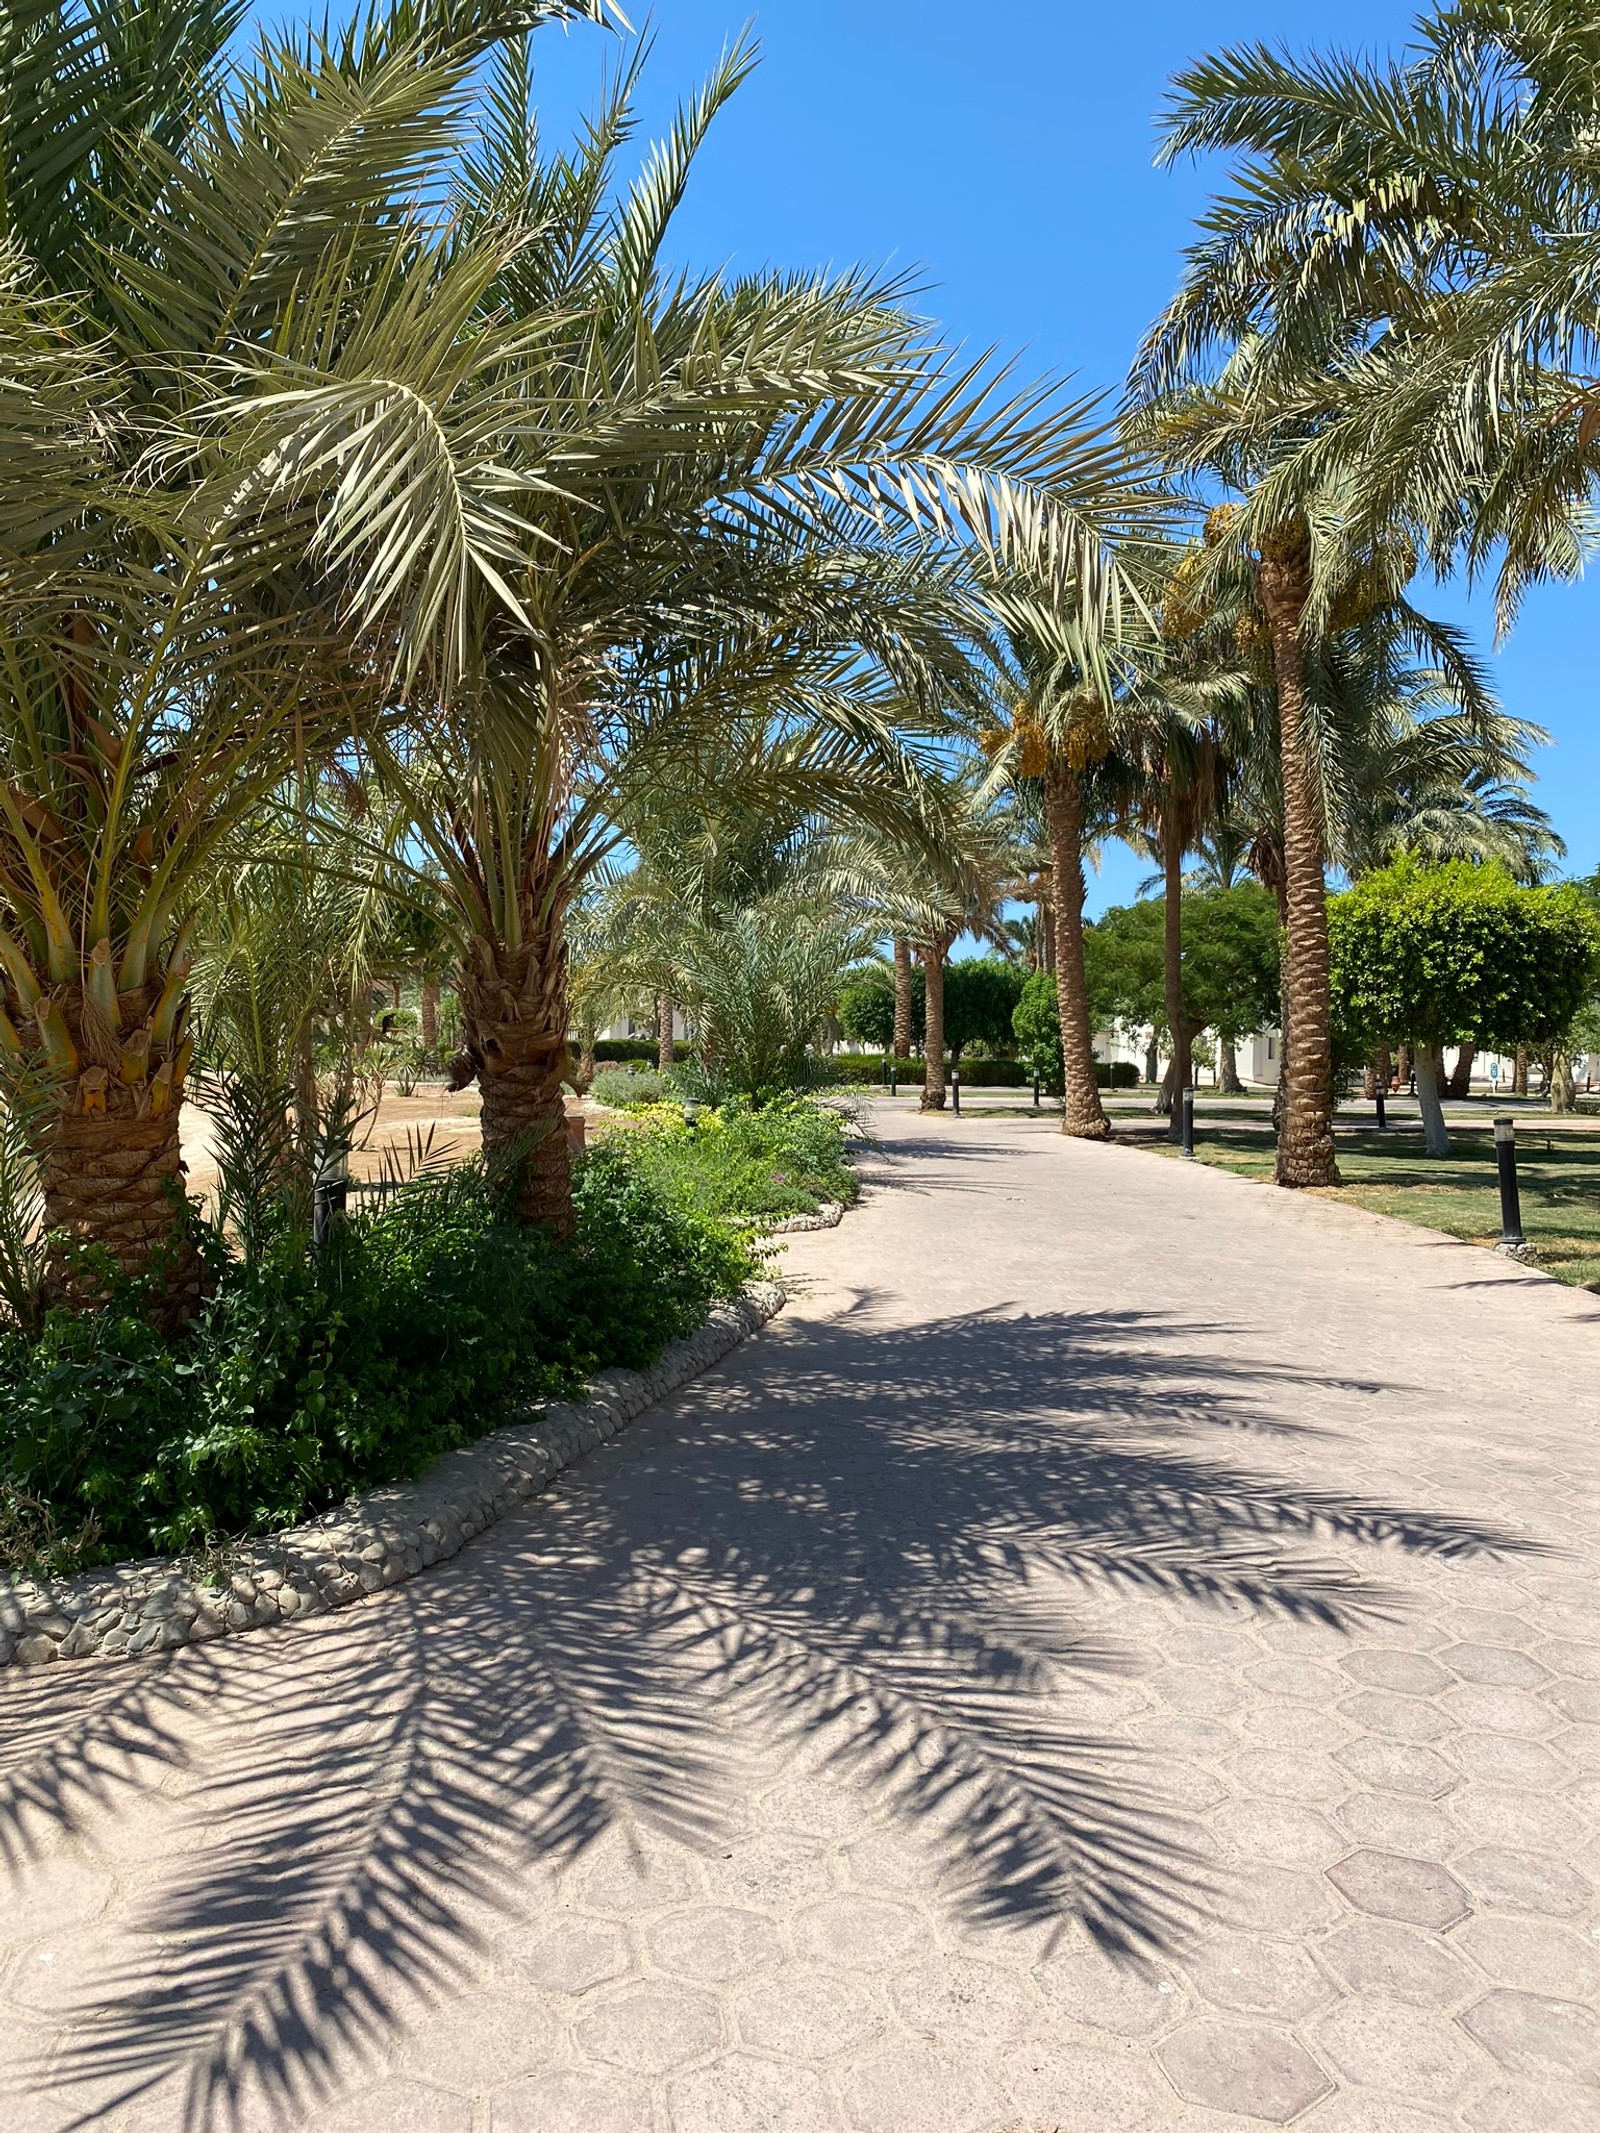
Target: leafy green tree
column 1036, row 1024
column 866, row 1010
column 1458, row 954
column 980, row 998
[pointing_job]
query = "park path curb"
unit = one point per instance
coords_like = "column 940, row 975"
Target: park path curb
column 828, row 1215
column 375, row 1540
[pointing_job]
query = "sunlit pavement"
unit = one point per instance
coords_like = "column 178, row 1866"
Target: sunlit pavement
column 1121, row 1651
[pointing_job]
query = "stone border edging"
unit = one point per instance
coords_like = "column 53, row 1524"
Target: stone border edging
column 377, row 1539
column 827, row 1216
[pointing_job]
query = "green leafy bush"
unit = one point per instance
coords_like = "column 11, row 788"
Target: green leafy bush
column 738, row 1161
column 631, row 1088
column 418, row 1327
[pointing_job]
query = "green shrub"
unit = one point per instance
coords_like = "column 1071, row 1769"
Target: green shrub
column 630, row 1088
column 738, row 1161
column 618, row 1050
column 418, row 1327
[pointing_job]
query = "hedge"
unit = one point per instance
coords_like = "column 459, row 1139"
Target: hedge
column 865, row 1070
column 617, row 1051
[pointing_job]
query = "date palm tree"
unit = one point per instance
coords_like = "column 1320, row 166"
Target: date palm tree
column 768, row 494
column 250, row 483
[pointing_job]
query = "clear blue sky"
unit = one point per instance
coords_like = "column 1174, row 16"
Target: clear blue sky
column 1004, row 153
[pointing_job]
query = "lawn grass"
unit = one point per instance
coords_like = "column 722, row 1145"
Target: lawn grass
column 1388, row 1174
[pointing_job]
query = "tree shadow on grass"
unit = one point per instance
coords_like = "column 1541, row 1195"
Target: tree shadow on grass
column 894, row 1553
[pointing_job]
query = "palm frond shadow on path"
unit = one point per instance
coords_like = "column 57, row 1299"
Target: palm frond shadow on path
column 892, row 1553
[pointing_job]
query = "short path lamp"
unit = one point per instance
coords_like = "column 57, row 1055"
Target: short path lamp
column 691, row 1115
column 1188, row 1122
column 1512, row 1242
column 955, row 1090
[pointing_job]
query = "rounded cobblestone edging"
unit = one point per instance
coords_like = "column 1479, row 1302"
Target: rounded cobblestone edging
column 378, row 1539
column 827, row 1216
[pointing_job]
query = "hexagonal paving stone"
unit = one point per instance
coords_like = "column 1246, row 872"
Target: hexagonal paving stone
column 1276, row 1831
column 569, row 1957
column 398, row 2107
column 591, row 2100
column 1577, row 1700
column 626, row 1878
column 741, row 2094
column 1534, row 1954
column 954, row 2001
column 1310, row 1779
column 1252, row 1975
column 1232, row 2067
column 1506, row 1759
column 1102, row 1992
column 649, row 2028
column 479, row 2040
column 1299, row 1680
column 1396, row 1822
column 1390, row 2046
column 1352, row 2110
column 1397, row 1717
column 768, row 1872
column 1196, row 1691
column 1530, row 2034
column 860, row 1932
column 1533, row 2107
column 1416, row 1890
column 1394, row 1766
column 1277, row 1900
column 807, row 2014
column 1494, row 1665
column 1563, row 1655
column 51, row 1897
column 1295, row 1727
column 908, row 2089
column 813, row 1807
column 1052, row 2083
column 69, row 1976
column 1407, row 1673
column 712, row 1943
column 1380, row 1956
column 1499, row 1711
column 883, row 1860
column 1528, row 1821
column 1524, row 1881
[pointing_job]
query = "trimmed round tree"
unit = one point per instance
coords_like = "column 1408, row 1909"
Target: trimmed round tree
column 1457, row 954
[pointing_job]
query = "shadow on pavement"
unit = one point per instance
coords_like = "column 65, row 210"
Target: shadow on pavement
column 894, row 1553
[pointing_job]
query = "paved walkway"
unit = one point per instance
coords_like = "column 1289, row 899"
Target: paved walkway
column 1121, row 1652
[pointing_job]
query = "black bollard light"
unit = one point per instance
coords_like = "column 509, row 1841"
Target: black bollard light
column 955, row 1090
column 894, row 1079
column 329, row 1200
column 1188, row 1122
column 1036, row 1088
column 1505, row 1156
column 1377, row 1090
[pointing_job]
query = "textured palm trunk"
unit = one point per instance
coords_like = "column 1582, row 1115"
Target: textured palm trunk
column 902, row 999
column 1045, row 930
column 514, row 1028
column 1228, row 1082
column 933, row 956
column 1082, row 1113
column 1402, row 1067
column 1182, row 1069
column 1460, row 1083
column 1305, row 1139
column 110, row 1162
column 1519, row 1072
column 664, row 1014
column 430, row 1014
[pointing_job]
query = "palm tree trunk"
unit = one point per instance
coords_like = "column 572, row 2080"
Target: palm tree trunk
column 514, row 1028
column 1430, row 1083
column 430, row 1014
column 1519, row 1072
column 1460, row 1083
column 664, row 1051
column 1305, row 1143
column 1228, row 1082
column 1045, row 932
column 1082, row 1113
column 933, row 956
column 110, row 1160
column 1402, row 1068
column 1172, row 967
column 902, row 999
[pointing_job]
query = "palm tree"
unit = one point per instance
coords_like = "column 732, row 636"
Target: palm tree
column 245, row 497
column 763, row 493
